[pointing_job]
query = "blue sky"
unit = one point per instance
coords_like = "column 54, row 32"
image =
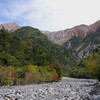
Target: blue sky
column 50, row 15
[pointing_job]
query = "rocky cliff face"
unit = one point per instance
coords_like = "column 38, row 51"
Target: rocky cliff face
column 10, row 26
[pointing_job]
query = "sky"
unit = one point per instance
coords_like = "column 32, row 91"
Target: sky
column 49, row 15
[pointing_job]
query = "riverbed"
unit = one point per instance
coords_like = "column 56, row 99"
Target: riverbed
column 65, row 89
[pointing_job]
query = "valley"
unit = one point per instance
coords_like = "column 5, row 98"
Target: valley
column 36, row 65
column 49, row 50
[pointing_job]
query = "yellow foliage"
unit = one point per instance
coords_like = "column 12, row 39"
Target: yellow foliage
column 32, row 68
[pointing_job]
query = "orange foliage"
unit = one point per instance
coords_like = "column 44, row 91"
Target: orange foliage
column 54, row 76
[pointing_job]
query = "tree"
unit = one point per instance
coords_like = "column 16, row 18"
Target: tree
column 32, row 75
column 56, row 65
column 9, row 76
column 92, row 63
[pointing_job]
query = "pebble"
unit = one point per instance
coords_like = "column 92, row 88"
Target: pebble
column 65, row 89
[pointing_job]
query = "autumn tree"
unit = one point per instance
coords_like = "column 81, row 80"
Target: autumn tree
column 8, row 76
column 32, row 75
column 92, row 62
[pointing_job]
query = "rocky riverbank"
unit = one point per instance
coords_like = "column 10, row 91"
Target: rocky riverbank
column 66, row 89
column 95, row 93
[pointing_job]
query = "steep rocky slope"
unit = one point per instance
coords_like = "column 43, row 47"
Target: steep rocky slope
column 60, row 37
column 91, row 42
column 81, row 39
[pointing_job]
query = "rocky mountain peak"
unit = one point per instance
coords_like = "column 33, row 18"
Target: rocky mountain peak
column 94, row 26
column 60, row 37
column 10, row 26
column 98, row 22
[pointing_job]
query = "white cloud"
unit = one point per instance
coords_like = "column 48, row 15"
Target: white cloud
column 52, row 14
column 68, row 13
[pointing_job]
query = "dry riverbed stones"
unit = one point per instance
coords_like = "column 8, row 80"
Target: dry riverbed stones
column 66, row 89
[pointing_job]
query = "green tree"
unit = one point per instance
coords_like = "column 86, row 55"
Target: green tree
column 92, row 62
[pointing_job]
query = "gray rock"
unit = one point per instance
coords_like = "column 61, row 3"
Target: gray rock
column 65, row 89
column 96, row 97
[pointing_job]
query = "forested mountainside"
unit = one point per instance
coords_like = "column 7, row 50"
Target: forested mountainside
column 45, row 51
column 88, row 67
column 27, row 52
column 92, row 63
column 29, row 46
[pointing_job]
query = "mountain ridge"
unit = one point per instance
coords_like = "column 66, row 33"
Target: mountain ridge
column 76, row 38
column 62, row 36
column 73, row 38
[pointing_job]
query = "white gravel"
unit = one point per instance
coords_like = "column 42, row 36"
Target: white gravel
column 66, row 89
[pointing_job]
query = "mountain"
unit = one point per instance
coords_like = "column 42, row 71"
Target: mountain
column 43, row 45
column 28, row 45
column 10, row 26
column 91, row 42
column 60, row 37
column 83, row 46
column 76, row 38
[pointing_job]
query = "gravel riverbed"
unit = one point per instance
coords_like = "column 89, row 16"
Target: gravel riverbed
column 65, row 89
